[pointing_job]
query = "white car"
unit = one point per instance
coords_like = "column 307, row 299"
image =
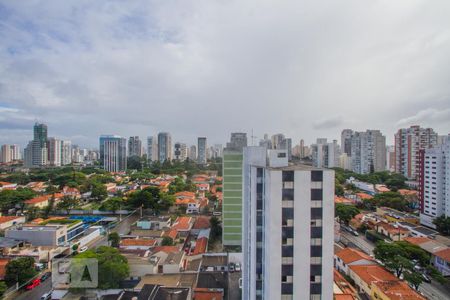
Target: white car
column 82, row 249
column 238, row 267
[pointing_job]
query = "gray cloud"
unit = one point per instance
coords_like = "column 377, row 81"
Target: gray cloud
column 211, row 67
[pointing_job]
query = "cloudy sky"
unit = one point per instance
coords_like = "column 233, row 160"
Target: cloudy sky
column 210, row 67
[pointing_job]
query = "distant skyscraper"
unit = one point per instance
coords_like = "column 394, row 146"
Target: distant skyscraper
column 238, row 141
column 6, row 156
column 286, row 144
column 201, row 148
column 193, row 153
column 66, row 153
column 434, row 183
column 346, row 141
column 180, row 151
column 324, row 154
column 113, row 153
column 408, row 143
column 15, row 152
column 36, row 153
column 164, row 146
column 54, row 147
column 152, row 149
column 276, row 140
column 302, row 148
column 368, row 152
column 390, row 158
column 134, row 146
column 288, row 228
column 217, row 150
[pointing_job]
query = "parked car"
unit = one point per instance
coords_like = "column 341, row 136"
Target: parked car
column 217, row 213
column 33, row 284
column 238, row 267
column 82, row 249
column 47, row 296
column 231, row 267
column 46, row 276
column 355, row 233
column 425, row 278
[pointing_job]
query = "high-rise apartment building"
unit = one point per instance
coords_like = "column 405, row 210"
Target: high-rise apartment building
column 54, row 147
column 346, row 141
column 324, row 154
column 15, row 152
column 135, row 146
column 434, row 183
column 201, row 150
column 113, row 153
column 193, row 153
column 276, row 140
column 164, row 146
column 36, row 153
column 266, row 142
column 288, row 228
column 238, row 141
column 232, row 190
column 6, row 156
column 390, row 158
column 408, row 143
column 66, row 153
column 286, row 144
column 302, row 149
column 152, row 149
column 368, row 152
column 180, row 151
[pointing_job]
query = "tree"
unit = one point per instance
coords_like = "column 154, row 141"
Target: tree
column 3, row 288
column 338, row 189
column 134, row 163
column 414, row 279
column 112, row 204
column 167, row 241
column 20, row 270
column 345, row 212
column 99, row 192
column 10, row 198
column 390, row 199
column 216, row 229
column 442, row 224
column 114, row 238
column 112, row 266
column 67, row 203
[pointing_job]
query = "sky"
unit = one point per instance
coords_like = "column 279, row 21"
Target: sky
column 307, row 69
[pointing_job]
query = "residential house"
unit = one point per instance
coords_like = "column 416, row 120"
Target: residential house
column 138, row 244
column 208, row 294
column 200, row 246
column 393, row 215
column 365, row 275
column 394, row 232
column 44, row 200
column 154, row 222
column 183, row 225
column 441, row 261
column 342, row 289
column 8, row 221
column 201, row 222
column 7, row 186
column 393, row 290
column 166, row 260
column 351, row 257
column 71, row 192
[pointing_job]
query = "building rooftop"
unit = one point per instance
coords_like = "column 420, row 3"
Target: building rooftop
column 9, row 242
column 8, row 218
column 169, row 280
column 298, row 167
column 349, row 255
column 398, row 290
column 371, row 273
column 138, row 242
column 443, row 254
column 201, row 222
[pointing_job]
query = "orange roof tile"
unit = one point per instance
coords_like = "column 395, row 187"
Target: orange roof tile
column 207, row 294
column 3, row 263
column 343, row 297
column 342, row 200
column 172, row 233
column 371, row 273
column 364, row 196
column 392, row 229
column 417, row 240
column 166, row 249
column 182, row 224
column 200, row 246
column 138, row 242
column 398, row 290
column 8, row 218
column 405, row 192
column 185, row 194
column 444, row 254
column 3, row 183
column 201, row 222
column 349, row 255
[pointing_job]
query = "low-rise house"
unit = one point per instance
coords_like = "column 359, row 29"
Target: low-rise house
column 3, row 263
column 208, row 294
column 154, row 222
column 394, row 232
column 166, row 260
column 37, row 186
column 202, row 187
column 363, row 186
column 394, row 290
column 342, row 200
column 393, row 215
column 7, row 186
column 418, row 231
column 193, row 207
column 44, row 200
column 381, row 188
column 71, row 192
column 200, row 246
column 347, row 257
column 8, row 221
column 342, row 289
column 363, row 196
column 441, row 261
column 201, row 222
column 183, row 225
column 9, row 244
column 172, row 233
column 138, row 244
column 365, row 275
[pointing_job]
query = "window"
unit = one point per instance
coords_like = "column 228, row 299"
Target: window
column 316, row 194
column 281, row 155
column 287, row 176
column 316, row 175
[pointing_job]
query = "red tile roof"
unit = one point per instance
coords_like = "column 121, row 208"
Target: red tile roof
column 207, row 294
column 8, row 219
column 138, row 242
column 364, row 196
column 444, row 254
column 371, row 273
column 172, row 233
column 166, row 249
column 3, row 263
column 43, row 198
column 182, row 224
column 398, row 290
column 201, row 222
column 200, row 246
column 417, row 240
column 349, row 255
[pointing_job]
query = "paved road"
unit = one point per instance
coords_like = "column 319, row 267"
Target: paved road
column 37, row 292
column 122, row 228
column 359, row 241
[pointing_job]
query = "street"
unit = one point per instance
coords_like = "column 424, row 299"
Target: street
column 37, row 292
column 432, row 290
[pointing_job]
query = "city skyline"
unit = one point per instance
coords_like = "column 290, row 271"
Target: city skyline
column 80, row 65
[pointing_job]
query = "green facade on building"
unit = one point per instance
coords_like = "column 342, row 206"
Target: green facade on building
column 232, row 198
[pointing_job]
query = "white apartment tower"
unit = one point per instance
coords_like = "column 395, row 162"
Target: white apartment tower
column 164, row 146
column 152, row 149
column 180, row 151
column 66, row 153
column 6, row 156
column 408, row 143
column 368, row 152
column 288, row 228
column 434, row 183
column 134, row 146
column 324, row 154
